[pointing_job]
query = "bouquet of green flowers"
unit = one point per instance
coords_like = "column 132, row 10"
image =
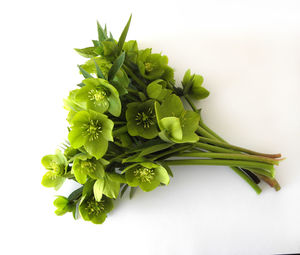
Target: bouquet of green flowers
column 128, row 125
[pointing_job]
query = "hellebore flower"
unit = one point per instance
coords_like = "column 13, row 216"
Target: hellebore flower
column 84, row 166
column 192, row 85
column 154, row 66
column 176, row 124
column 141, row 120
column 56, row 164
column 146, row 175
column 92, row 130
column 100, row 96
column 157, row 90
column 96, row 212
column 63, row 205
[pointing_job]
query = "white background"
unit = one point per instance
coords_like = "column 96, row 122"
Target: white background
column 249, row 54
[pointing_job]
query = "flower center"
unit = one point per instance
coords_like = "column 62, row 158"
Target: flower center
column 96, row 95
column 146, row 119
column 93, row 129
column 88, row 165
column 57, row 168
column 94, row 207
column 144, row 174
column 148, row 67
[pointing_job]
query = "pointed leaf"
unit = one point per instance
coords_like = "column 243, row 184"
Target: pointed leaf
column 123, row 36
column 88, row 52
column 98, row 70
column 101, row 33
column 116, row 66
column 85, row 73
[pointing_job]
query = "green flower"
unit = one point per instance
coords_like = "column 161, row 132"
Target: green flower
column 154, row 66
column 157, row 90
column 63, row 205
column 92, row 130
column 56, row 164
column 120, row 80
column 192, row 85
column 84, row 166
column 96, row 212
column 176, row 124
column 100, row 96
column 147, row 175
column 141, row 120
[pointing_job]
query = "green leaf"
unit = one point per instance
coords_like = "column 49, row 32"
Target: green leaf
column 101, row 33
column 116, row 66
column 98, row 70
column 155, row 148
column 98, row 189
column 109, row 48
column 88, row 52
column 132, row 192
column 84, row 73
column 75, row 212
column 125, row 187
column 75, row 194
column 88, row 188
column 123, row 36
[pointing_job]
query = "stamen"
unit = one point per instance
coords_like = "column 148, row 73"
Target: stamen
column 144, row 174
column 94, row 207
column 146, row 119
column 148, row 67
column 93, row 129
column 96, row 95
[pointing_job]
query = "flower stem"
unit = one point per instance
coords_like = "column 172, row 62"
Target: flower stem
column 170, row 152
column 228, row 156
column 219, row 162
column 237, row 148
column 120, row 130
column 139, row 82
column 189, row 100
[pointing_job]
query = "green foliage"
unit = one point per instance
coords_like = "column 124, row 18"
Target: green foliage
column 127, row 121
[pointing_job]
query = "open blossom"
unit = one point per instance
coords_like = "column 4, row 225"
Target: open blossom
column 92, row 130
column 146, row 175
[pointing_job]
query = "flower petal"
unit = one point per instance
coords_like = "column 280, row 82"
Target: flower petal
column 97, row 147
column 76, row 138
